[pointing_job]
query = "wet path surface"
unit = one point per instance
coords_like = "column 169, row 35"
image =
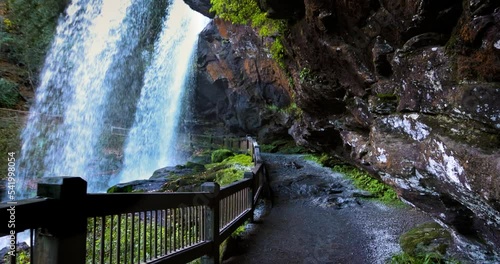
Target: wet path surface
column 316, row 216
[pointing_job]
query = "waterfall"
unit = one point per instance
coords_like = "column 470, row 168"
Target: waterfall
column 100, row 63
column 151, row 141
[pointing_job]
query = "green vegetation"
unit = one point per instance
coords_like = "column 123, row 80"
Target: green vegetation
column 425, row 238
column 273, row 108
column 22, row 257
column 221, row 154
column 245, row 12
column 8, row 93
column 426, row 243
column 294, row 110
column 287, row 146
column 306, row 76
column 278, row 52
column 325, row 160
column 29, row 29
column 364, row 181
column 248, row 12
column 291, row 110
column 112, row 224
column 224, row 172
column 361, row 179
column 239, row 230
column 118, row 189
column 234, row 168
column 291, row 82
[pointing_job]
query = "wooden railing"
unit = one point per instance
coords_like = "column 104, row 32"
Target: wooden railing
column 67, row 225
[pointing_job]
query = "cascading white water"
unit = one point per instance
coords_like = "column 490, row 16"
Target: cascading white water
column 96, row 59
column 151, row 141
column 64, row 124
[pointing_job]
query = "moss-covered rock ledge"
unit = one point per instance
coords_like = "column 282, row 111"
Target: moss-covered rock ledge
column 223, row 167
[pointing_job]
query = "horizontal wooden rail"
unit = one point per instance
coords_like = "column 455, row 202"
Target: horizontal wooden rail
column 234, row 187
column 133, row 227
column 122, row 203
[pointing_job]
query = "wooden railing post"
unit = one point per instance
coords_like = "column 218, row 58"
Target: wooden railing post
column 250, row 147
column 212, row 223
column 64, row 241
column 249, row 175
column 256, row 153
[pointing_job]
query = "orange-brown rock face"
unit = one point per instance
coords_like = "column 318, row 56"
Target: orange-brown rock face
column 239, row 84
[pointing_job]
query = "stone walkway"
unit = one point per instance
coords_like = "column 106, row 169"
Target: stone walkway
column 318, row 217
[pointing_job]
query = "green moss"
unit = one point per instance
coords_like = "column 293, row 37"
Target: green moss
column 364, row 181
column 240, row 159
column 291, row 82
column 239, row 230
column 229, row 175
column 233, row 168
column 225, row 172
column 360, row 178
column 245, row 12
column 426, row 243
column 324, row 160
column 278, row 52
column 283, row 146
column 270, row 148
column 248, row 12
column 117, row 189
column 291, row 110
column 294, row 110
column 425, row 238
column 306, row 76
column 273, row 108
column 220, row 155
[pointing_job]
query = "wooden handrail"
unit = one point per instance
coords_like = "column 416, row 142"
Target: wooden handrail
column 123, row 203
column 201, row 221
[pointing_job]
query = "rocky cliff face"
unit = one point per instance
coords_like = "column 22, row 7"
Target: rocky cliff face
column 408, row 90
column 239, row 86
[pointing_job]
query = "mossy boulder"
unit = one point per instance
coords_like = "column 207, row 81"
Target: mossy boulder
column 194, row 166
column 221, row 154
column 230, row 169
column 425, row 239
column 138, row 186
